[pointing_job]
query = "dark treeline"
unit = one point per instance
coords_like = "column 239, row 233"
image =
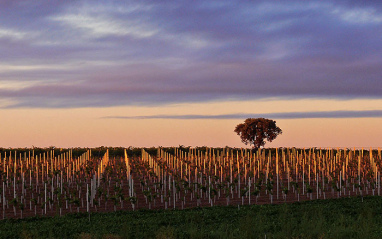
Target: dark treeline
column 136, row 151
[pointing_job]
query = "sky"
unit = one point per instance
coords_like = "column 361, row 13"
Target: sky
column 168, row 73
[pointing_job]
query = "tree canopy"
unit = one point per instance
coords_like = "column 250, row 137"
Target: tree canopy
column 256, row 130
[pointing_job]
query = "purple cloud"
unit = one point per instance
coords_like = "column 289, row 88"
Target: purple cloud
column 283, row 115
column 107, row 53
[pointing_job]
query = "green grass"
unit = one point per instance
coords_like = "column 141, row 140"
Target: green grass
column 333, row 218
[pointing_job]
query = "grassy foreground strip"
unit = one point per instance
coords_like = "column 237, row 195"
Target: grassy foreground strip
column 332, row 218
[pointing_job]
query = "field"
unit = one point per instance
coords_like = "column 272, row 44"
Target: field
column 331, row 218
column 48, row 182
column 190, row 192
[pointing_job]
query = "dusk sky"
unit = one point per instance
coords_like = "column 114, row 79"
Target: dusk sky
column 170, row 73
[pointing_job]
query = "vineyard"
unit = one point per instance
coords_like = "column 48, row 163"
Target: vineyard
column 55, row 182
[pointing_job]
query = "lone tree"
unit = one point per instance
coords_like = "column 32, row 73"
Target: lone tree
column 256, row 130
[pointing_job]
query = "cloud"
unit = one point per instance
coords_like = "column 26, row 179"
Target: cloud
column 281, row 115
column 108, row 53
column 11, row 34
column 361, row 16
column 103, row 27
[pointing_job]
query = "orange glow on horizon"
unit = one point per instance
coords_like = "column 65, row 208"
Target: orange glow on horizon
column 86, row 127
